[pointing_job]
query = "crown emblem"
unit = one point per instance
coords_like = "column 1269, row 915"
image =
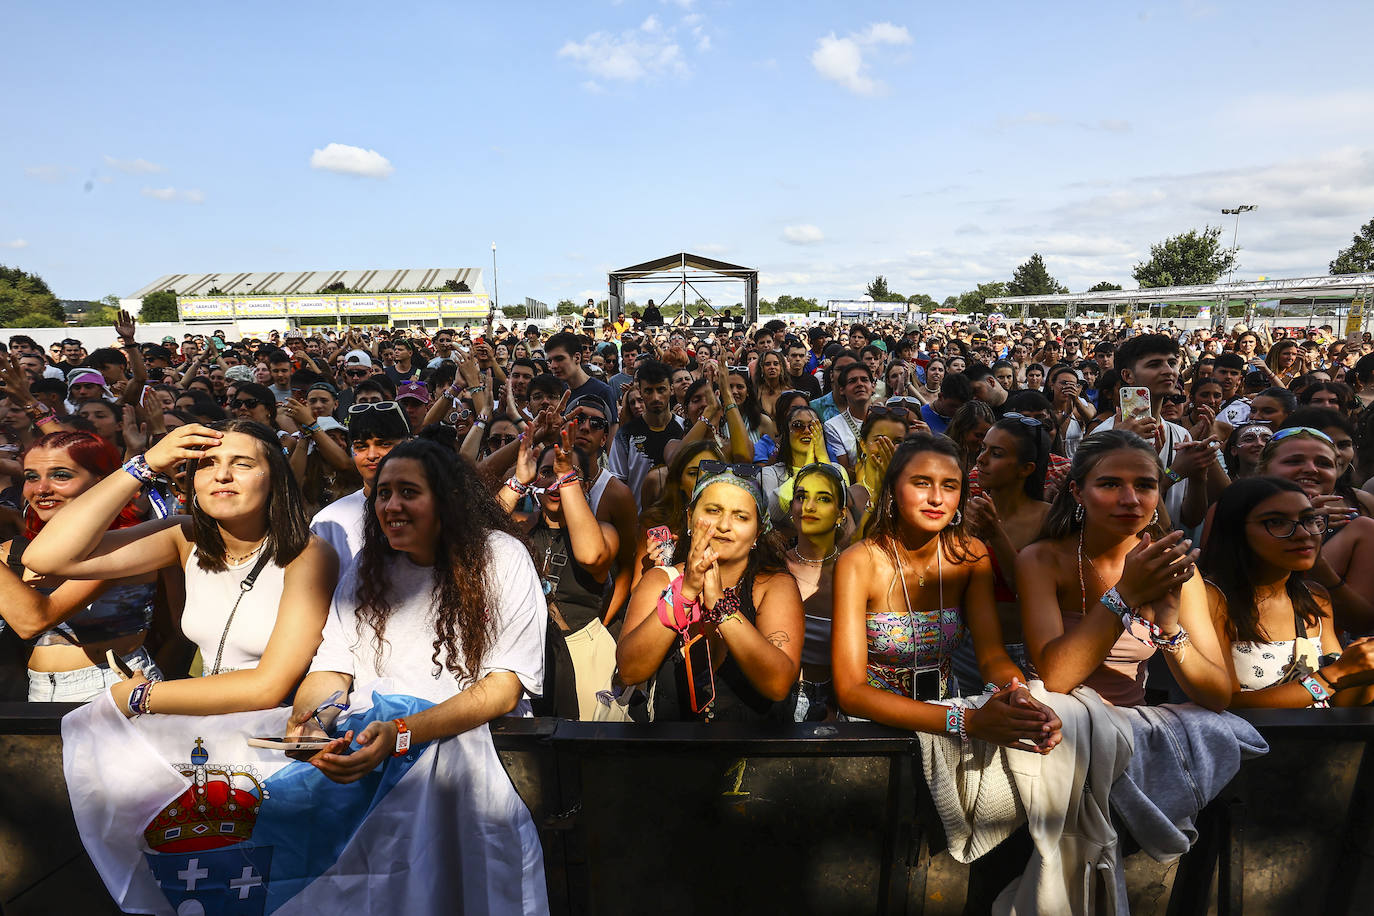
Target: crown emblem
column 218, row 809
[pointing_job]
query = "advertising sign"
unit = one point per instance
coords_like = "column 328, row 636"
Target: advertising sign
column 409, row 304
column 194, row 309
column 310, row 305
column 260, row 307
column 362, row 305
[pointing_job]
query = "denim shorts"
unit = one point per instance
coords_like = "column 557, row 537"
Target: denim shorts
column 85, row 684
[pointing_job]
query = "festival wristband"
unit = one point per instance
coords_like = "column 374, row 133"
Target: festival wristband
column 138, row 468
column 402, row 738
column 955, row 722
column 516, row 487
column 1319, row 693
column 570, row 477
column 310, row 428
column 1173, row 475
column 674, row 611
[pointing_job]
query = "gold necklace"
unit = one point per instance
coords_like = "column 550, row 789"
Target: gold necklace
column 236, row 560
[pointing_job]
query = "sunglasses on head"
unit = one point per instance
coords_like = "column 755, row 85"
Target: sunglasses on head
column 1305, row 430
column 1022, row 419
column 903, row 401
column 750, row 472
column 379, row 405
column 885, row 410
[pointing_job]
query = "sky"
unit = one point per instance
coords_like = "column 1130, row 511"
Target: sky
column 939, row 145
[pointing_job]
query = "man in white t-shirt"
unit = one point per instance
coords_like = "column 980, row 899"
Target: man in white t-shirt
column 1192, row 472
column 373, row 433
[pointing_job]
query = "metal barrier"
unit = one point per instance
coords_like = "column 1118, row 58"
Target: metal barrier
column 817, row 818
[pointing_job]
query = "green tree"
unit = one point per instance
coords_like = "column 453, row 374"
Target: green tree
column 877, row 290
column 34, row 320
column 567, row 307
column 922, row 302
column 1186, row 260
column 514, row 311
column 457, row 286
column 1032, row 279
column 975, row 300
column 786, row 303
column 102, row 317
column 159, row 306
column 25, row 294
column 1359, row 257
column 1105, row 286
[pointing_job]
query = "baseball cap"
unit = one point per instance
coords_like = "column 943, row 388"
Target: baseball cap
column 169, row 339
column 239, row 374
column 329, row 424
column 324, row 386
column 412, row 389
column 358, row 358
column 912, row 328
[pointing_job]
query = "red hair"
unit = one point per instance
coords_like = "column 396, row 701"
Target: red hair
column 93, row 453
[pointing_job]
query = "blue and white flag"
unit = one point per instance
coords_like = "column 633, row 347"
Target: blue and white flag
column 180, row 816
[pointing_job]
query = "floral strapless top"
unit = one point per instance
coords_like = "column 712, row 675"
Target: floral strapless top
column 899, row 645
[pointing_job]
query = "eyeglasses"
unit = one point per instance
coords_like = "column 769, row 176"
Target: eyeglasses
column 247, row 403
column 598, row 423
column 903, row 401
column 377, row 405
column 1284, row 528
column 1022, row 419
column 1305, row 430
column 800, row 425
column 883, row 410
column 742, row 370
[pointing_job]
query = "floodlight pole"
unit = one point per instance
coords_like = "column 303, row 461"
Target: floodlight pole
column 1235, row 235
column 495, row 292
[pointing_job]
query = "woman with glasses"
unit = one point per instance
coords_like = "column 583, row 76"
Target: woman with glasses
column 818, row 515
column 1072, row 415
column 1276, row 625
column 1173, row 407
column 729, row 601
column 254, row 403
column 257, row 582
column 573, row 554
column 1104, row 588
column 669, row 508
column 803, row 444
column 903, row 597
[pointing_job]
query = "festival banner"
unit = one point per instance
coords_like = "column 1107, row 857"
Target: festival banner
column 362, row 305
column 310, row 305
column 180, row 816
column 260, row 307
column 205, row 308
column 406, row 304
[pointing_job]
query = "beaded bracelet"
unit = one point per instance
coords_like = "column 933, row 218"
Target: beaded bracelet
column 1111, row 599
column 138, row 468
column 1170, row 643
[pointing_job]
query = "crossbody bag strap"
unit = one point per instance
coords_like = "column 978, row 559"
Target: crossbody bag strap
column 245, row 587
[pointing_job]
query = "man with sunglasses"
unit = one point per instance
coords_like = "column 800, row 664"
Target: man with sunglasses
column 610, row 499
column 373, row 431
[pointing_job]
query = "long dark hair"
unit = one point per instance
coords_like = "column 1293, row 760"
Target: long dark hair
column 1228, row 564
column 288, row 529
column 749, row 407
column 670, row 509
column 1061, row 521
column 1032, row 447
column 464, row 626
column 883, row 525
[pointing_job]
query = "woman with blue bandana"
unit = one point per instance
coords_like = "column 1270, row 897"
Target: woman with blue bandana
column 729, row 601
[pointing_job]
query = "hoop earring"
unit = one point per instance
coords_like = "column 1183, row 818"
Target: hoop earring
column 1155, row 520
column 958, row 518
column 1078, row 513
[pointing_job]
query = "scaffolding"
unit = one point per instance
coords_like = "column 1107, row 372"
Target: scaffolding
column 685, row 271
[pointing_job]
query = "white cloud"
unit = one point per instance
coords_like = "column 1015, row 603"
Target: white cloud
column 16, row 244
column 351, row 160
column 802, row 234
column 633, row 55
column 134, row 166
column 175, row 195
column 841, row 60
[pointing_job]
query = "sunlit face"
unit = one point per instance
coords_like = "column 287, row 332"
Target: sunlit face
column 1006, row 377
column 770, row 366
column 1121, row 492
column 817, row 505
column 681, row 381
column 102, row 418
column 999, row 464
column 1064, row 385
column 233, row 479
column 896, row 379
column 1265, row 409
column 368, row 454
column 52, row 479
column 564, row 364
column 892, row 429
column 796, row 360
column 738, row 389
column 1208, row 395
column 246, row 407
column 928, row 490
column 1308, row 462
column 1155, row 371
column 406, row 510
column 84, row 391
column 321, row 402
column 1229, row 379
column 1296, row 553
column 1287, row 357
column 734, row 520
column 957, row 364
column 935, row 374
column 858, row 386
column 165, row 399
column 591, row 429
column 802, row 427
column 1345, row 448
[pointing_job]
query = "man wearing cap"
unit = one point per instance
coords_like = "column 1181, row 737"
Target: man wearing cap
column 373, row 431
column 413, row 397
column 323, row 399
column 356, row 369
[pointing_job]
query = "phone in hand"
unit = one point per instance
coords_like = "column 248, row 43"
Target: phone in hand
column 701, row 678
column 289, row 742
column 1135, row 403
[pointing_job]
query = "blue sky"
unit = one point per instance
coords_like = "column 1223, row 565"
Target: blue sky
column 822, row 143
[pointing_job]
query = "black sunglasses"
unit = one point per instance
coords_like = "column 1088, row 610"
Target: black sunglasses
column 749, row 472
column 357, row 373
column 247, row 403
column 1175, row 399
column 882, row 410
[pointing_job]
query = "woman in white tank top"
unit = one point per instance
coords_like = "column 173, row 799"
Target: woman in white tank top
column 258, row 585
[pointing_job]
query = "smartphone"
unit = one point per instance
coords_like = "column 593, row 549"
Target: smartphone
column 287, row 743
column 1135, row 403
column 661, row 545
column 925, row 685
column 701, row 679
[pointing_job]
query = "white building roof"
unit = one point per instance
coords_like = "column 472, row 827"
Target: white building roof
column 308, row 282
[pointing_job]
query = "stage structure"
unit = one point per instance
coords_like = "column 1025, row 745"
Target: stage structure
column 685, row 271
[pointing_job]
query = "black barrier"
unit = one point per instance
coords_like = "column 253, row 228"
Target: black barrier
column 682, row 817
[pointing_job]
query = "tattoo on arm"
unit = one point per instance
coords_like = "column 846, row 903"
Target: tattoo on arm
column 778, row 638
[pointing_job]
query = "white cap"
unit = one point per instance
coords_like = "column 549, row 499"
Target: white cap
column 358, row 358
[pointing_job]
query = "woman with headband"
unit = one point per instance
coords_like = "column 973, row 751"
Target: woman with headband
column 729, row 602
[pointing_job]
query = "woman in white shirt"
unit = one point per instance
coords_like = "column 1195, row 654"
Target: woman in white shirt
column 257, row 582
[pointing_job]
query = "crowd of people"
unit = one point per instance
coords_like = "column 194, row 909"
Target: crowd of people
column 909, row 524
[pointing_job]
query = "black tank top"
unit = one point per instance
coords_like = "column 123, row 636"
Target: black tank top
column 579, row 595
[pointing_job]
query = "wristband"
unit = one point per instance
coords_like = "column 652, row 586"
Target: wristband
column 1173, row 643
column 674, row 611
column 474, row 388
column 310, row 428
column 570, row 477
column 955, row 722
column 136, row 700
column 730, row 407
column 1319, row 693
column 1173, row 475
column 138, row 468
column 402, row 738
column 516, row 487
